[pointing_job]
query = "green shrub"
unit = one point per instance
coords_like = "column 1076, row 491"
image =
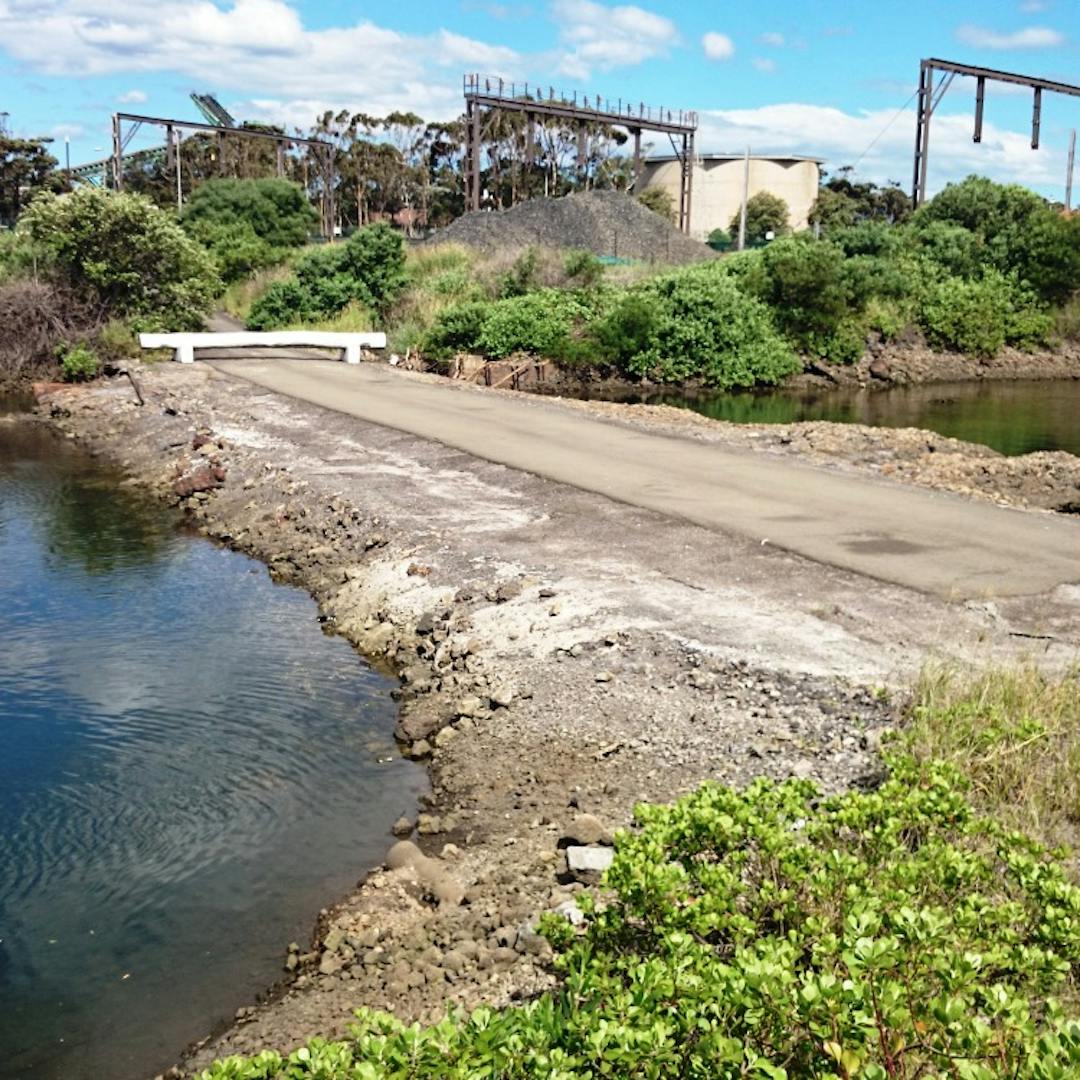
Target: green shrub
column 1067, row 320
column 123, row 254
column 457, row 329
column 659, row 201
column 719, row 240
column 275, row 211
column 765, row 213
column 777, row 934
column 236, row 249
column 539, row 322
column 583, row 268
column 965, row 316
column 283, row 303
column 368, row 269
column 521, row 278
column 630, row 330
column 813, row 297
column 697, row 323
column 951, row 250
column 116, row 341
column 1017, row 232
column 78, row 363
column 979, row 317
column 889, row 318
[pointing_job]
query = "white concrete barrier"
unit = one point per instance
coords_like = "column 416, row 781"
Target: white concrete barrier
column 184, row 344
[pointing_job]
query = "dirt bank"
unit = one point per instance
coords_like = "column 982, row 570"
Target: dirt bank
column 559, row 655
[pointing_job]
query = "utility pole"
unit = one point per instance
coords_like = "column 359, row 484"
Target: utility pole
column 1069, row 171
column 179, row 177
column 67, row 154
column 745, row 198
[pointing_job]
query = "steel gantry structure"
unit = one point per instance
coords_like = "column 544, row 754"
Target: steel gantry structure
column 486, row 95
column 929, row 97
column 323, row 152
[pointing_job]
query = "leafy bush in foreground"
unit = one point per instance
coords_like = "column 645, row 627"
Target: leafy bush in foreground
column 772, row 933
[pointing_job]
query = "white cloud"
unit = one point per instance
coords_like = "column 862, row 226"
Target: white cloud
column 1030, row 7
column 603, row 38
column 1031, row 37
column 132, row 97
column 67, row 131
column 774, row 39
column 763, row 63
column 718, row 46
column 257, row 47
column 842, row 138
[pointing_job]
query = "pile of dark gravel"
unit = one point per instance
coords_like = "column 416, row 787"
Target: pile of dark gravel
column 603, row 222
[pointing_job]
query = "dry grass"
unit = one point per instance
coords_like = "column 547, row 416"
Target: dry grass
column 353, row 319
column 36, row 318
column 1016, row 733
column 240, row 295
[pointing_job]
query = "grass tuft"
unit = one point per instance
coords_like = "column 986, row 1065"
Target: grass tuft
column 1015, row 732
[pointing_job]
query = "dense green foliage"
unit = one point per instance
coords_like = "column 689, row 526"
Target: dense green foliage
column 686, row 324
column 979, row 316
column 367, row 269
column 124, row 255
column 248, row 224
column 694, row 324
column 775, row 933
column 813, row 293
column 980, row 267
column 1010, row 229
column 275, row 210
column 765, row 213
column 78, row 363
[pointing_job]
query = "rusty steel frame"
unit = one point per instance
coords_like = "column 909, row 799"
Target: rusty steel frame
column 929, row 97
column 324, row 151
column 494, row 94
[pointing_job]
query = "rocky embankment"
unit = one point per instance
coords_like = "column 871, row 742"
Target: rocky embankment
column 559, row 658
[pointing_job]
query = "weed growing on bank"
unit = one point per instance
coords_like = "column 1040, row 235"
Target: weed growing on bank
column 1015, row 733
column 774, row 933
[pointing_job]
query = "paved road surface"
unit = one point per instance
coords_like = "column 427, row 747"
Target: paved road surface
column 910, row 536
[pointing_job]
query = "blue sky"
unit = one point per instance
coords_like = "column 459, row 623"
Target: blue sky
column 821, row 77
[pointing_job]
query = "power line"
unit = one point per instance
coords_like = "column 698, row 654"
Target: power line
column 878, row 136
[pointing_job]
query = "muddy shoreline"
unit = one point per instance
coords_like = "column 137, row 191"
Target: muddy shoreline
column 559, row 659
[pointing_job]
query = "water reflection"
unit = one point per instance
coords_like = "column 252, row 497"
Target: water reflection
column 185, row 777
column 1011, row 417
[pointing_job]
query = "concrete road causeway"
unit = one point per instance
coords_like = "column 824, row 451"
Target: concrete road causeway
column 926, row 540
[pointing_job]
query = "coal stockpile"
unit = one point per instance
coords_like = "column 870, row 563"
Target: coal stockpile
column 607, row 223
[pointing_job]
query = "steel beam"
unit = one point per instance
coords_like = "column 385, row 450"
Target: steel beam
column 928, row 101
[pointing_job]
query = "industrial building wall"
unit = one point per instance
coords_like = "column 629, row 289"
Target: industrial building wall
column 718, row 187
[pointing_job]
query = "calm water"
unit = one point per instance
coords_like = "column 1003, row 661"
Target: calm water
column 189, row 771
column 1012, row 417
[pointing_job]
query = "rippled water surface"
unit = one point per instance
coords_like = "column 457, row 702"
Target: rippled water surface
column 189, row 769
